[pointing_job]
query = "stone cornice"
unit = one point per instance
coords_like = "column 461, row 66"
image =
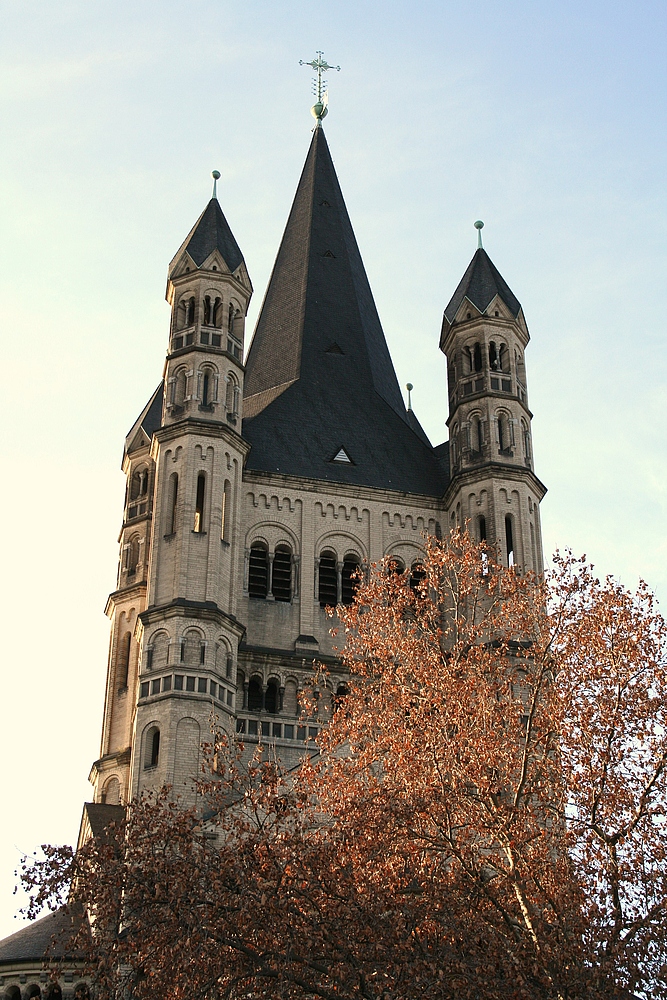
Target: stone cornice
column 180, row 607
column 206, row 428
column 493, row 470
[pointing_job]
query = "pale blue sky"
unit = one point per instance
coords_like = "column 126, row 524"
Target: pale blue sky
column 546, row 120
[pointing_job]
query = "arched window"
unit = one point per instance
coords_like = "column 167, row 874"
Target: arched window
column 281, row 585
column 503, row 358
column 525, row 434
column 230, row 319
column 493, row 357
column 111, row 792
column 467, row 361
column 509, row 539
column 477, row 435
column 272, row 697
column 190, row 312
column 207, row 310
column 328, row 580
column 124, row 659
column 179, row 387
column 477, row 357
column 481, row 528
column 216, row 318
column 32, row 991
column 342, row 692
column 226, row 511
column 53, row 992
column 255, row 696
column 349, row 579
column 417, row 577
column 132, row 555
column 139, row 484
column 232, row 396
column 152, row 748
column 172, row 500
column 206, row 388
column 12, row 993
column 258, row 571
column 199, row 503
column 504, row 434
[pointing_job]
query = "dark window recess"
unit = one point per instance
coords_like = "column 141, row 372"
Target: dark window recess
column 417, row 577
column 178, row 682
column 255, row 696
column 202, row 654
column 189, row 338
column 289, row 732
column 155, row 686
column 144, row 689
column 349, row 580
column 507, row 385
column 477, row 357
column 190, row 683
column 166, row 683
column 467, row 388
column 240, row 725
column 495, row 383
column 252, row 727
column 258, row 572
column 509, row 539
column 266, row 729
column 479, row 385
column 206, row 389
column 282, row 574
column 229, row 697
column 482, row 528
column 328, row 588
column 312, row 732
column 201, row 685
column 205, row 337
column 216, row 339
column 149, row 658
column 154, row 748
column 271, row 701
column 199, row 504
column 214, row 689
column 300, row 732
column 277, row 729
column 178, row 343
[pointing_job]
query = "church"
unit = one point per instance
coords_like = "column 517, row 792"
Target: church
column 259, row 490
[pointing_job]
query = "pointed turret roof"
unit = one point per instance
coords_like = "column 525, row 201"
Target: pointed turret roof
column 211, row 232
column 318, row 374
column 480, row 285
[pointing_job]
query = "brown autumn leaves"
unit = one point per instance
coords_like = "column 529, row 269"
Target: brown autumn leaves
column 485, row 817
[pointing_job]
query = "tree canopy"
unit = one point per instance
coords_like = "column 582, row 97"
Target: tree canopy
column 484, row 817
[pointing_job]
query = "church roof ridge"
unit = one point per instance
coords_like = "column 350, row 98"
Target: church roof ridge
column 480, row 284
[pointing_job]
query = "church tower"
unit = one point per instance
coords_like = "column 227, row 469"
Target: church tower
column 492, row 487
column 176, row 603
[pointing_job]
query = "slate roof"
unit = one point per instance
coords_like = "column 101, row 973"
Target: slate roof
column 31, row 942
column 318, row 374
column 210, row 232
column 148, row 420
column 480, row 284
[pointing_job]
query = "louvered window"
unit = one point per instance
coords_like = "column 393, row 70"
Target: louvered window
column 282, row 573
column 258, row 572
column 328, row 586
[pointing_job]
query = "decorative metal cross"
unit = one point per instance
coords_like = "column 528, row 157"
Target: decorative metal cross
column 320, row 65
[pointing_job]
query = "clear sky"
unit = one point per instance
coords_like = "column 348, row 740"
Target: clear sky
column 546, row 120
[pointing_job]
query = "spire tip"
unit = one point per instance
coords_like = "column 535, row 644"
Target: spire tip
column 215, row 174
column 479, row 226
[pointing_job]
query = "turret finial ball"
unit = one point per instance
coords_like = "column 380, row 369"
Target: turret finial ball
column 215, row 174
column 479, row 224
column 409, row 386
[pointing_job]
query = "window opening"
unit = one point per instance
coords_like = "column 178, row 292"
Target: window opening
column 226, row 512
column 173, row 499
column 206, row 389
column 349, row 580
column 199, row 505
column 477, row 357
column 493, row 357
column 152, row 747
column 281, row 585
column 271, row 699
column 190, row 311
column 502, row 358
column 255, row 696
column 230, row 321
column 509, row 539
column 481, row 526
column 207, row 310
column 217, row 312
column 328, row 580
column 258, row 571
column 124, row 662
column 418, row 575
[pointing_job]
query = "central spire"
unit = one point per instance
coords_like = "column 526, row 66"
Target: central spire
column 319, row 376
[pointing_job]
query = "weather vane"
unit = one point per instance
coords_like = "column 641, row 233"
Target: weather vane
column 320, row 65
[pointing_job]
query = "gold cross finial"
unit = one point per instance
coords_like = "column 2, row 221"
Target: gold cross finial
column 320, row 65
